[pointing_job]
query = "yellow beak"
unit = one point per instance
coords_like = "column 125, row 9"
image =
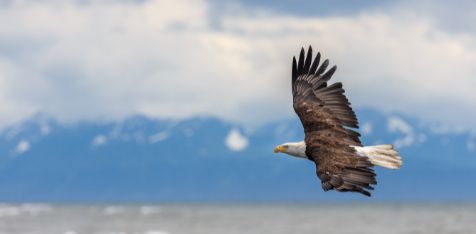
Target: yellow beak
column 279, row 149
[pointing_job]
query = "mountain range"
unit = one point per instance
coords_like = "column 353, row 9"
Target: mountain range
column 205, row 159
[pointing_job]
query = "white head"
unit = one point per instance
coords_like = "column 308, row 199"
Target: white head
column 296, row 149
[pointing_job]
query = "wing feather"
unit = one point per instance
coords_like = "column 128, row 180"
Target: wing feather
column 323, row 67
column 307, row 63
column 315, row 64
column 295, row 73
column 301, row 62
column 329, row 124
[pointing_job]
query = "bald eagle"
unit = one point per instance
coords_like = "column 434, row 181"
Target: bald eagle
column 331, row 140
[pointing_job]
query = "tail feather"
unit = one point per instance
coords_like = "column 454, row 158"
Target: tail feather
column 381, row 155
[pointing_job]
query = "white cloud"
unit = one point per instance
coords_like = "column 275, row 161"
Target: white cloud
column 111, row 59
column 22, row 147
column 236, row 141
column 99, row 140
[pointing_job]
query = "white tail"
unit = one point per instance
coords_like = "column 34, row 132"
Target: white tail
column 381, row 155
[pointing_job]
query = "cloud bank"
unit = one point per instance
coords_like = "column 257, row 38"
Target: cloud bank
column 85, row 60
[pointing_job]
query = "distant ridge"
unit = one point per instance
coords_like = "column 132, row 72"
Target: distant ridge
column 147, row 160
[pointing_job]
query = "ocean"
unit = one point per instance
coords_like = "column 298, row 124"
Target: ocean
column 239, row 219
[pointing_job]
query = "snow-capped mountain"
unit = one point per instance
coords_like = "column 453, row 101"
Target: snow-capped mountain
column 206, row 159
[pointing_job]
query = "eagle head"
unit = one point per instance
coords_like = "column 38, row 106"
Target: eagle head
column 296, row 149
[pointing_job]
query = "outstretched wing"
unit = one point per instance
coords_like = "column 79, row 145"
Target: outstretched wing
column 328, row 119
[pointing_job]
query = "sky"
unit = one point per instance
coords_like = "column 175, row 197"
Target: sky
column 106, row 60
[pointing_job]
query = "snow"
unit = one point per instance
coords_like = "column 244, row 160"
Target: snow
column 188, row 132
column 45, row 129
column 470, row 145
column 22, row 147
column 235, row 141
column 367, row 128
column 397, row 124
column 158, row 137
column 99, row 140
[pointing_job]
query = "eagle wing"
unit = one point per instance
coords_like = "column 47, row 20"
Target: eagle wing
column 328, row 119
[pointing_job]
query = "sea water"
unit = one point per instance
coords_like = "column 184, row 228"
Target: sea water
column 239, row 219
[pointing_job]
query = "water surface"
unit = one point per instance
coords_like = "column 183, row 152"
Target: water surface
column 223, row 219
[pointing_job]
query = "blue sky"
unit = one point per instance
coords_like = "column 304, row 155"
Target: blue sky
column 106, row 60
